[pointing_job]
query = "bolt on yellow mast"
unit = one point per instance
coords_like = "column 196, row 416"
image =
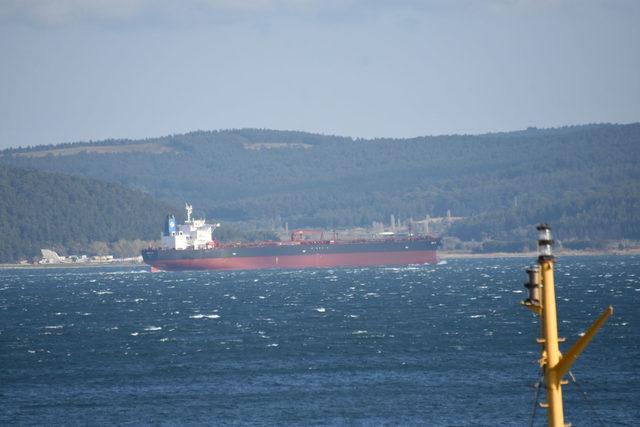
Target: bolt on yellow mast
column 543, row 304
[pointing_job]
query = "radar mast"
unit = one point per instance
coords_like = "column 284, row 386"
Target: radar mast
column 189, row 209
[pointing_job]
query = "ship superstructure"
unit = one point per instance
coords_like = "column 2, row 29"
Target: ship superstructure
column 193, row 234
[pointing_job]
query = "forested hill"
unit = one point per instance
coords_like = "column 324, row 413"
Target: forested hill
column 55, row 211
column 585, row 180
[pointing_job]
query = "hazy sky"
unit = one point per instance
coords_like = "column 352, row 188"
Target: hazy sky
column 93, row 69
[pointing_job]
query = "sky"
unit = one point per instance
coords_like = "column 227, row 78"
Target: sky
column 78, row 70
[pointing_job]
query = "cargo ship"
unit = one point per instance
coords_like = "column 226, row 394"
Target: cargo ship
column 190, row 246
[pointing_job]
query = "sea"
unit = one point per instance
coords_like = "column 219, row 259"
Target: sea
column 433, row 345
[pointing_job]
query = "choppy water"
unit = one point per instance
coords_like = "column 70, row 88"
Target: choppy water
column 433, row 345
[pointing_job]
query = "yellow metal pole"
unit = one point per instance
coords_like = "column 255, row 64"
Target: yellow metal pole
column 543, row 304
column 550, row 321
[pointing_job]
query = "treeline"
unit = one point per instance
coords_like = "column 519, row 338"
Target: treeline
column 581, row 179
column 72, row 215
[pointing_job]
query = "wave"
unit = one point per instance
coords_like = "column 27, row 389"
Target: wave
column 204, row 316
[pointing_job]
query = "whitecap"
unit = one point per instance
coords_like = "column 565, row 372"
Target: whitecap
column 204, row 316
column 153, row 328
column 321, row 309
column 54, row 327
column 477, row 316
column 359, row 332
column 134, row 334
column 273, row 345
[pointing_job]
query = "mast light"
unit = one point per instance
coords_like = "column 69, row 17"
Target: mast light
column 545, row 242
column 533, row 285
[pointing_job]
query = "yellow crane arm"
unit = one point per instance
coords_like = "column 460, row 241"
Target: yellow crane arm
column 565, row 363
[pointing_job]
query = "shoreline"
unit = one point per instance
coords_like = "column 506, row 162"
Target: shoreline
column 443, row 255
column 534, row 254
column 72, row 265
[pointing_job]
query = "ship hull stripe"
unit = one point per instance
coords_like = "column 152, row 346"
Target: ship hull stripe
column 317, row 260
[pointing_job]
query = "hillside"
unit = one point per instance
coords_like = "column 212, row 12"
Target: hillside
column 585, row 180
column 45, row 210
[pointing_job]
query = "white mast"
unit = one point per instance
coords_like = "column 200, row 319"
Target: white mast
column 189, row 209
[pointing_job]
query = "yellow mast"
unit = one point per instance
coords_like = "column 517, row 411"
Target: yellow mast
column 543, row 304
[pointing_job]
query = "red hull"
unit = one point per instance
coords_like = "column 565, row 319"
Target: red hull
column 356, row 259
